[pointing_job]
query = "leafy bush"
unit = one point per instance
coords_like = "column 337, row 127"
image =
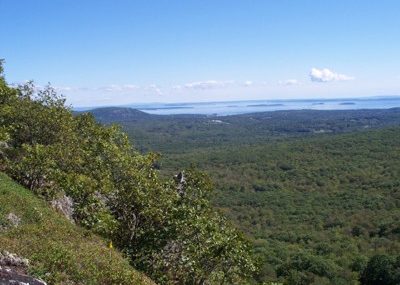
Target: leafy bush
column 381, row 270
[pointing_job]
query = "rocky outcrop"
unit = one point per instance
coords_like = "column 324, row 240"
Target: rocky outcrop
column 181, row 183
column 65, row 206
column 13, row 219
column 13, row 271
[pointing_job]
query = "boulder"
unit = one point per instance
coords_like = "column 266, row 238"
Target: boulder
column 13, row 271
column 65, row 206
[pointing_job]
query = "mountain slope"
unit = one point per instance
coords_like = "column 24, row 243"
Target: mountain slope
column 59, row 252
column 184, row 133
column 118, row 114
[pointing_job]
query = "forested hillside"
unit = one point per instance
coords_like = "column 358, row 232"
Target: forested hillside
column 166, row 228
column 316, row 191
column 180, row 133
column 317, row 208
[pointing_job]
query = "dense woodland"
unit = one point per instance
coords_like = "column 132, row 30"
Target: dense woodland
column 180, row 133
column 318, row 192
column 326, row 202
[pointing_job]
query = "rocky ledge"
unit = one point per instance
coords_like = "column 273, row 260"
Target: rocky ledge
column 13, row 271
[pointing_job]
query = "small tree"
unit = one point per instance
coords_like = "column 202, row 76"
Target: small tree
column 381, row 270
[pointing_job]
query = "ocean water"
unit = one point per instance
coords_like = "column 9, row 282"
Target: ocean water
column 243, row 107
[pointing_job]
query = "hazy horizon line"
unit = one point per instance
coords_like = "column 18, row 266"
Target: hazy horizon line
column 132, row 105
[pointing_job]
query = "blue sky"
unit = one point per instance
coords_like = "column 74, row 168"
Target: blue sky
column 120, row 52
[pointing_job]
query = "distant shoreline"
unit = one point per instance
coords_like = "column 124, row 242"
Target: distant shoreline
column 252, row 106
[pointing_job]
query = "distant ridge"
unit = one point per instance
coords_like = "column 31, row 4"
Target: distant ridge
column 117, row 114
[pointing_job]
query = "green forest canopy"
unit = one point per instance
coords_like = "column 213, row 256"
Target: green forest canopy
column 318, row 205
column 317, row 208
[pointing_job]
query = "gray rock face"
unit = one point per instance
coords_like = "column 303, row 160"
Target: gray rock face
column 13, row 219
column 13, row 271
column 181, row 183
column 9, row 259
column 64, row 205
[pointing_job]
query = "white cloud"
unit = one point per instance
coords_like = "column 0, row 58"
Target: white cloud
column 38, row 87
column 209, row 84
column 326, row 75
column 119, row 88
column 154, row 88
column 248, row 83
column 289, row 82
column 64, row 88
column 70, row 89
column 177, row 87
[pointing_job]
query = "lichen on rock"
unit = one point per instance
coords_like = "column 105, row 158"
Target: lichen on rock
column 13, row 220
column 65, row 206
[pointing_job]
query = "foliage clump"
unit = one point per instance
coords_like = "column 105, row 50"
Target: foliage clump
column 381, row 269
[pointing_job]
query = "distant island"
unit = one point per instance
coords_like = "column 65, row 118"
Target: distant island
column 265, row 105
column 165, row 108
